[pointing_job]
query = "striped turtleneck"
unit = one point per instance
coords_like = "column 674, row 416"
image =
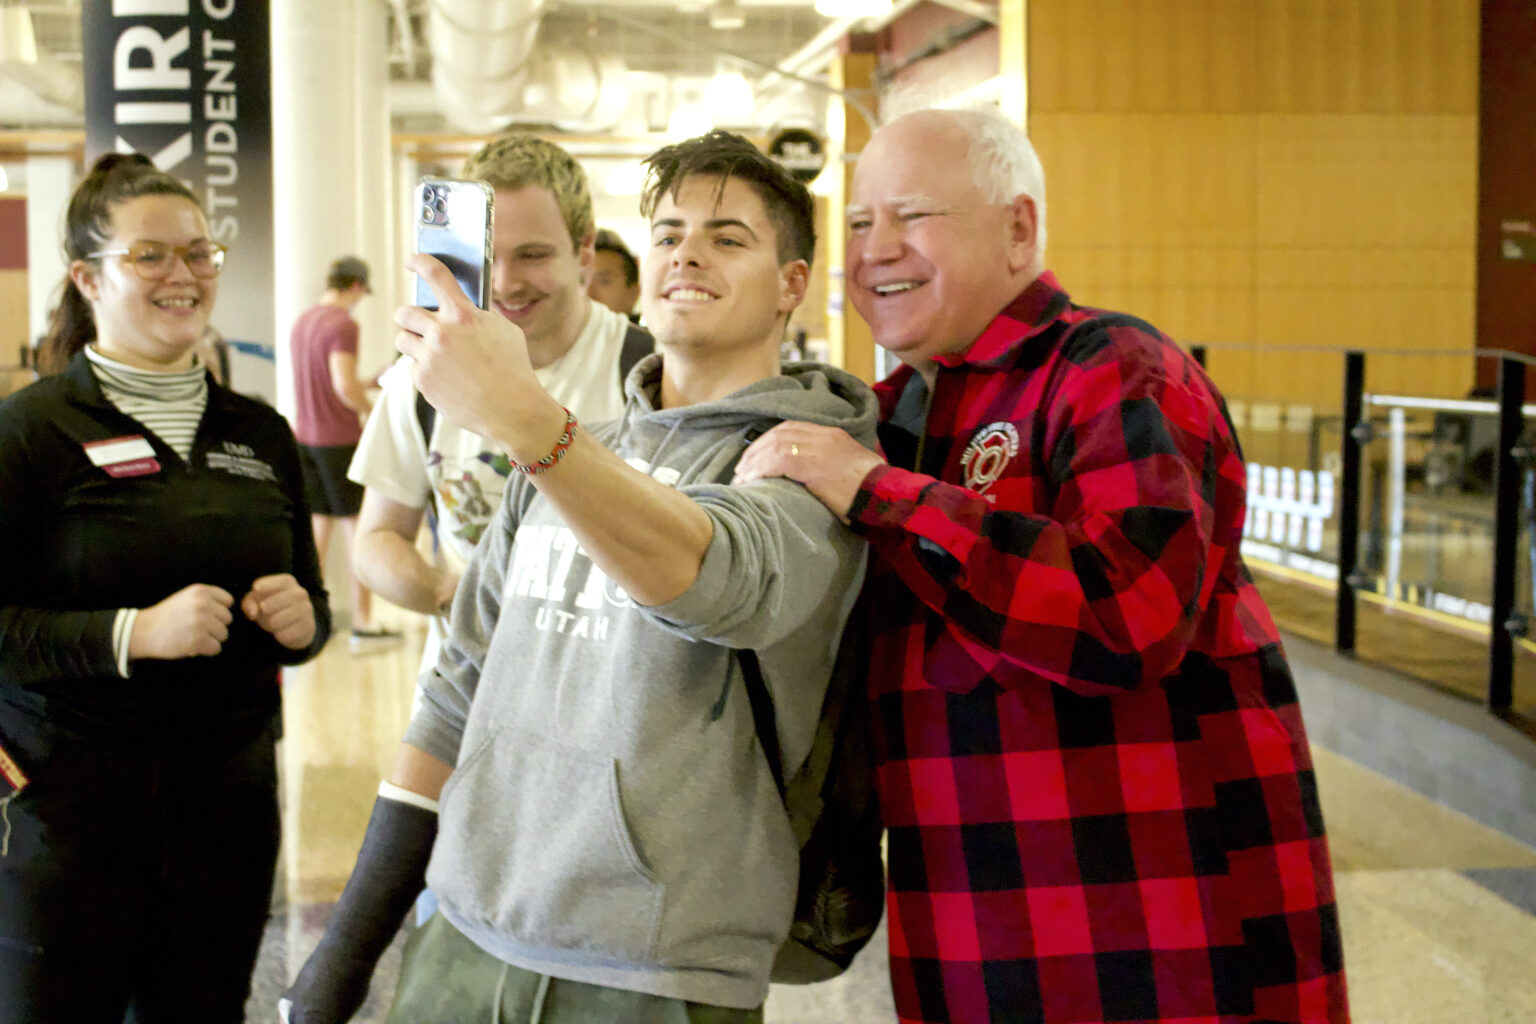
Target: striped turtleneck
column 169, row 403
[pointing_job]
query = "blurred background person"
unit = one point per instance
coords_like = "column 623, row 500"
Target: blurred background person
column 615, row 280
column 330, row 404
column 415, row 464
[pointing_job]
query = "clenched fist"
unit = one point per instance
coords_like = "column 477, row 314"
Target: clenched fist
column 279, row 605
column 193, row 622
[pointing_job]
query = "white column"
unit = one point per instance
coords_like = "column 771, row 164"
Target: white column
column 330, row 171
column 402, row 236
column 378, row 200
column 50, row 179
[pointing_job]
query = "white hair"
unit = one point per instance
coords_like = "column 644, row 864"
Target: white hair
column 1003, row 161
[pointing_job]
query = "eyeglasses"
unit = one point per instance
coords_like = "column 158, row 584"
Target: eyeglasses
column 154, row 261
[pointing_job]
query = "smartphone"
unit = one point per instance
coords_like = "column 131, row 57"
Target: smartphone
column 453, row 223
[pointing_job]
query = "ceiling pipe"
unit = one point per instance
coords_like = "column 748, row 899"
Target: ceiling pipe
column 637, row 25
column 406, row 33
column 819, row 51
column 487, row 74
column 45, row 92
column 480, row 51
column 575, row 90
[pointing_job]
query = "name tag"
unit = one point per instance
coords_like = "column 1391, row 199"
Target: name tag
column 123, row 456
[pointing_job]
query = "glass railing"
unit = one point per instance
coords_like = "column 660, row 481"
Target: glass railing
column 1395, row 526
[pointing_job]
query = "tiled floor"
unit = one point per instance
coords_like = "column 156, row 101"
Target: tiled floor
column 1438, row 912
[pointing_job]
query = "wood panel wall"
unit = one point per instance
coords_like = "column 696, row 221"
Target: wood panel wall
column 13, row 330
column 1506, row 300
column 1268, row 172
column 13, row 290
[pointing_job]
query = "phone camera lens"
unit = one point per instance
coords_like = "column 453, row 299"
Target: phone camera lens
column 428, row 214
column 440, row 204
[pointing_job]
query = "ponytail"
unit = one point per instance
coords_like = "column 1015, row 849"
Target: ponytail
column 70, row 328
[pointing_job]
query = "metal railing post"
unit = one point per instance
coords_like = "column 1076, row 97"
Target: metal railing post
column 1356, row 433
column 1508, row 467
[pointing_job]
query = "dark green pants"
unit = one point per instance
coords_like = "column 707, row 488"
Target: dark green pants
column 446, row 979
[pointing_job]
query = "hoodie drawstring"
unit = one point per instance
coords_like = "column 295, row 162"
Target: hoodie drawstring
column 536, row 1015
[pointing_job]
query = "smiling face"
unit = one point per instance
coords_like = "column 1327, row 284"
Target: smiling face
column 930, row 261
column 536, row 272
column 712, row 277
column 152, row 325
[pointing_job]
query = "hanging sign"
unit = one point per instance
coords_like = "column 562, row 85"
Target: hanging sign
column 187, row 84
column 800, row 151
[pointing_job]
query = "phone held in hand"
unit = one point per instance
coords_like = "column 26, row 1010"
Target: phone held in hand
column 453, row 223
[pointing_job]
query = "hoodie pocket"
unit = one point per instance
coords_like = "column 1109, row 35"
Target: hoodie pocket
column 533, row 844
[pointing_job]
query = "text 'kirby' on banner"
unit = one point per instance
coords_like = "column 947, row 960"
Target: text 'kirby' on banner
column 187, row 84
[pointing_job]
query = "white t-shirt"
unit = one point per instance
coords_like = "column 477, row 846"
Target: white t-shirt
column 463, row 475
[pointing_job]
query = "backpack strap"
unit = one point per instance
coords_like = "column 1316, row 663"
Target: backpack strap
column 638, row 344
column 839, row 746
column 426, row 417
column 763, row 717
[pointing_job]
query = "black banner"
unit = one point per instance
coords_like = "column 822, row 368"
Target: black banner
column 187, row 83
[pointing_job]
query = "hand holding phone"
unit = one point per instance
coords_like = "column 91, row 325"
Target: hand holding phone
column 453, row 223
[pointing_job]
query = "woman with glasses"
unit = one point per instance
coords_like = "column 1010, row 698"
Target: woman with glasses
column 156, row 568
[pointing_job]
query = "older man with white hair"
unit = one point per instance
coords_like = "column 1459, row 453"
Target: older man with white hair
column 1093, row 770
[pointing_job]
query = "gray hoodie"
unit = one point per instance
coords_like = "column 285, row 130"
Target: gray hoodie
column 610, row 818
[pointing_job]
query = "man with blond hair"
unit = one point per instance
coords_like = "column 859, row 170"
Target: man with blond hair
column 412, row 461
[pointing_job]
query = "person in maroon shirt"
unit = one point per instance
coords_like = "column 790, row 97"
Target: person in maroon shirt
column 1091, row 763
column 330, row 404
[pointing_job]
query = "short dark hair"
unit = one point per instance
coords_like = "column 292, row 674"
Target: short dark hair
column 790, row 207
column 609, row 241
column 346, row 272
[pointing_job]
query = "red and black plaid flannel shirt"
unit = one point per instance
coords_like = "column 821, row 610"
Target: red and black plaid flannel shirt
column 1100, row 801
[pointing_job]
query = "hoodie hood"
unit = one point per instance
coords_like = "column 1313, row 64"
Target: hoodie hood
column 810, row 392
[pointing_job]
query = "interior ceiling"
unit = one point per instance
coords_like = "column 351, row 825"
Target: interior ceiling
column 661, row 37
column 678, row 39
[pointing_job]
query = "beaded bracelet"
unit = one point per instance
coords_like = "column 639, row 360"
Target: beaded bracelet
column 555, row 454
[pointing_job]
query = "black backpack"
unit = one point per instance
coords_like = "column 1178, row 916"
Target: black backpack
column 835, row 816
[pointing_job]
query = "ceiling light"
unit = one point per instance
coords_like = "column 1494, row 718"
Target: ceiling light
column 626, row 178
column 853, row 8
column 17, row 41
column 688, row 120
column 729, row 97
